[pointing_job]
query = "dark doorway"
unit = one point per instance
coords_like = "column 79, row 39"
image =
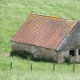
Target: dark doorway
column 71, row 52
column 79, row 51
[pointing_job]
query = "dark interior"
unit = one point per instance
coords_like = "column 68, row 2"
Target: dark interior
column 71, row 52
column 79, row 51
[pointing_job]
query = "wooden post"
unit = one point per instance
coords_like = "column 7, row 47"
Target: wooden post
column 54, row 66
column 77, row 55
column 10, row 66
column 73, row 67
column 31, row 67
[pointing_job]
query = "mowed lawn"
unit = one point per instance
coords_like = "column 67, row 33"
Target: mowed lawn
column 13, row 13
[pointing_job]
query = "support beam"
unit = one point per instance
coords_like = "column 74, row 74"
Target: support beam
column 77, row 54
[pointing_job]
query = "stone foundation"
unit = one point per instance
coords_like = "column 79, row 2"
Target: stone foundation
column 40, row 52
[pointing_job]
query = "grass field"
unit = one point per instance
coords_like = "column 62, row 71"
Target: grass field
column 40, row 70
column 13, row 13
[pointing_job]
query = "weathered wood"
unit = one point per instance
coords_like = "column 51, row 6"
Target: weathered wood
column 73, row 67
column 10, row 66
column 54, row 66
column 31, row 67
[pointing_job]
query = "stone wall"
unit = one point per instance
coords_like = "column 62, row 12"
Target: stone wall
column 40, row 52
column 72, row 40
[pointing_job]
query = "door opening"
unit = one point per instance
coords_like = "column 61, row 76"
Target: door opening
column 71, row 52
column 79, row 51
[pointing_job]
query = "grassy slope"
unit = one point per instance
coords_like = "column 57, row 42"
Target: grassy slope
column 41, row 70
column 14, row 12
column 12, row 15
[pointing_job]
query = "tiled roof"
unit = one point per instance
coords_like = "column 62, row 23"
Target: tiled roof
column 45, row 31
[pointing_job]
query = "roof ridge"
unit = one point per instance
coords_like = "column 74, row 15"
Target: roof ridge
column 54, row 17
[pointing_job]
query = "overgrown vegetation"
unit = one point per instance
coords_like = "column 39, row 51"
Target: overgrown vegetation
column 51, row 60
column 68, row 59
column 28, row 56
column 23, row 54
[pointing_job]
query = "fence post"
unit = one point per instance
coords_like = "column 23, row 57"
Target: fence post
column 54, row 66
column 73, row 67
column 31, row 67
column 10, row 66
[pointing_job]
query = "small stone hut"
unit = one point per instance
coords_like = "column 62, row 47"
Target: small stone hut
column 49, row 37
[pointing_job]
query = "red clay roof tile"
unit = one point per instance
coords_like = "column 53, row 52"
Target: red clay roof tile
column 45, row 31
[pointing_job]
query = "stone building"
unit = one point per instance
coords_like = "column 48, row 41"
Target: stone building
column 49, row 37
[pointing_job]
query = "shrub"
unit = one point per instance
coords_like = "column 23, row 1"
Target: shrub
column 26, row 55
column 68, row 59
column 43, row 59
column 22, row 54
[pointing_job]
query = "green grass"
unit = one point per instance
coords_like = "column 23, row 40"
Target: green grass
column 40, row 70
column 13, row 13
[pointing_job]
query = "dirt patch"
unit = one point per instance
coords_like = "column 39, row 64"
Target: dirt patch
column 7, row 54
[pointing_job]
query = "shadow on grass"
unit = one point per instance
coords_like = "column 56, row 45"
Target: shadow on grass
column 28, row 56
